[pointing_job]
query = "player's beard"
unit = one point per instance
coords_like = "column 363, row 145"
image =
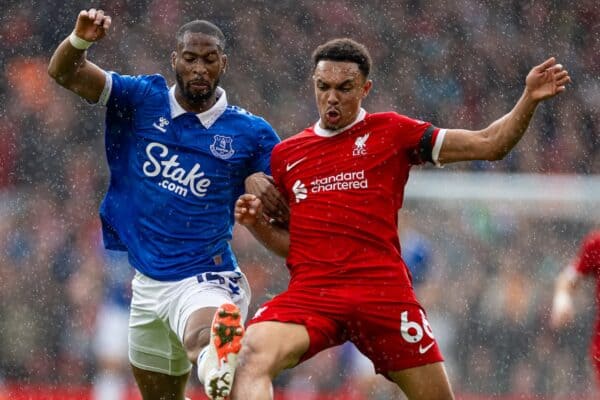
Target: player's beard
column 195, row 97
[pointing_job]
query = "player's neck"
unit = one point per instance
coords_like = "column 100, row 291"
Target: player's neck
column 195, row 107
column 325, row 132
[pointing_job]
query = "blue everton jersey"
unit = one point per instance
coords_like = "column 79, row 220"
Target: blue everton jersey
column 175, row 176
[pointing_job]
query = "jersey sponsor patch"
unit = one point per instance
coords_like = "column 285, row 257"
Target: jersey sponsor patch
column 176, row 178
column 343, row 181
column 299, row 190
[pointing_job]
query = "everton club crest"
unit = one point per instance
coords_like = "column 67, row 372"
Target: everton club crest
column 221, row 147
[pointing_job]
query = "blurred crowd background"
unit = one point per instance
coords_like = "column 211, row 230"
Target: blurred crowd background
column 486, row 280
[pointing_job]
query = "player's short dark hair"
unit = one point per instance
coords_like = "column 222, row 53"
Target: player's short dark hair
column 344, row 49
column 202, row 26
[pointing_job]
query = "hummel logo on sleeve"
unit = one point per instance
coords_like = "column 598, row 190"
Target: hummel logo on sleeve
column 288, row 167
column 162, row 122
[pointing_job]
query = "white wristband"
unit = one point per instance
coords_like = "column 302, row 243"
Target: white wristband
column 79, row 43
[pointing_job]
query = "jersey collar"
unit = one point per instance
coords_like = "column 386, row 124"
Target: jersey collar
column 329, row 133
column 206, row 118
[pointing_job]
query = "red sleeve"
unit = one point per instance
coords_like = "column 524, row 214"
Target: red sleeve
column 417, row 137
column 588, row 261
column 277, row 168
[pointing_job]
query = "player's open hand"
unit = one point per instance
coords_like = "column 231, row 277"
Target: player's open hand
column 92, row 24
column 546, row 80
column 248, row 209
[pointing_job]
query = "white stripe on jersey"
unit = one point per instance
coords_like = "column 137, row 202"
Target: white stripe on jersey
column 435, row 152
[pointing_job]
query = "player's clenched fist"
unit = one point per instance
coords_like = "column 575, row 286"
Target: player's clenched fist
column 248, row 208
column 92, row 25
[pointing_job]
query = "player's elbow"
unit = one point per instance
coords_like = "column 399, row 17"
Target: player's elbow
column 60, row 77
column 52, row 71
column 490, row 150
column 282, row 251
column 497, row 154
column 55, row 74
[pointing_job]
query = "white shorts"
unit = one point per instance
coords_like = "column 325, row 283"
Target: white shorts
column 160, row 311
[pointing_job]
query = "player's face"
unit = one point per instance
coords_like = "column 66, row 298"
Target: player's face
column 198, row 63
column 340, row 88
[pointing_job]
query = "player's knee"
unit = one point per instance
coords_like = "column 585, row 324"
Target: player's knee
column 254, row 359
column 249, row 358
column 195, row 341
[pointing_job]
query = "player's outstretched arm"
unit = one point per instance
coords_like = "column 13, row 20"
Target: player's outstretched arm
column 495, row 142
column 69, row 66
column 249, row 212
column 563, row 310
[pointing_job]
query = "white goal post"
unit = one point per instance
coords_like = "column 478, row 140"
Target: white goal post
column 569, row 196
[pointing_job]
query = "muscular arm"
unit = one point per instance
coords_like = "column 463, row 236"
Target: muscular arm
column 273, row 237
column 69, row 66
column 495, row 141
column 263, row 187
column 248, row 212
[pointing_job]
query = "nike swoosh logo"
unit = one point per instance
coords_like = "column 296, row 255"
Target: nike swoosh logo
column 423, row 350
column 292, row 165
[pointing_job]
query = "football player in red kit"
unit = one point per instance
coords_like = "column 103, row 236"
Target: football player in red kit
column 587, row 263
column 344, row 180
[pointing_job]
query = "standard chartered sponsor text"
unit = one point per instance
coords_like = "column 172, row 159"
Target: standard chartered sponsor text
column 177, row 179
column 341, row 181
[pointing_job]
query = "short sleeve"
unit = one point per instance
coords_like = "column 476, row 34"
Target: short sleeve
column 123, row 92
column 588, row 259
column 277, row 169
column 421, row 140
column 267, row 139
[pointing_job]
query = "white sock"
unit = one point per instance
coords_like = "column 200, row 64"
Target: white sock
column 201, row 364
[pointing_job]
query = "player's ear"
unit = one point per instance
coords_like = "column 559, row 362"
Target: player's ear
column 367, row 88
column 173, row 59
column 224, row 61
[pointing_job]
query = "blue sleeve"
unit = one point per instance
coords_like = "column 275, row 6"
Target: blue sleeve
column 123, row 92
column 267, row 139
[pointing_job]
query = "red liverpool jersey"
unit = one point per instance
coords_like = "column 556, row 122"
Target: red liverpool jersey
column 588, row 263
column 344, row 190
column 588, row 260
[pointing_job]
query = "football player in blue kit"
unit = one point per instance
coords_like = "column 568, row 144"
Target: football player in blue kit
column 179, row 157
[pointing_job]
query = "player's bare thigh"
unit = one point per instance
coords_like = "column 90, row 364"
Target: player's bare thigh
column 271, row 347
column 427, row 382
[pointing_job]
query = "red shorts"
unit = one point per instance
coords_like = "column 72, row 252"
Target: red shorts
column 392, row 333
